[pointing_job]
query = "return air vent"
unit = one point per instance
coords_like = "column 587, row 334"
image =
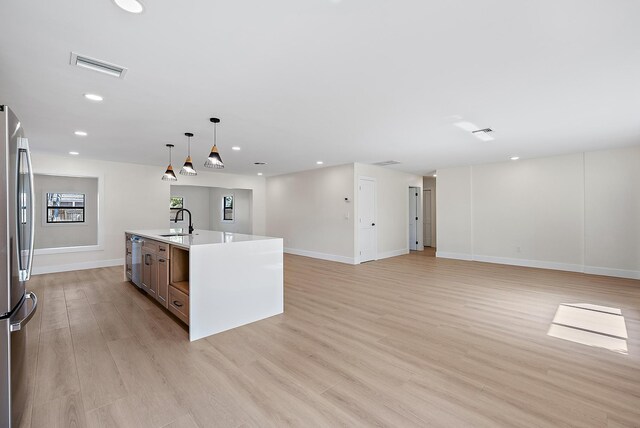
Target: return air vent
column 387, row 163
column 485, row 130
column 97, row 65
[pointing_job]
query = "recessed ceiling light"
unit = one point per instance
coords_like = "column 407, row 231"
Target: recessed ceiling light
column 259, row 173
column 236, row 148
column 93, row 97
column 81, row 133
column 319, row 163
column 514, row 157
column 74, row 153
column 133, row 6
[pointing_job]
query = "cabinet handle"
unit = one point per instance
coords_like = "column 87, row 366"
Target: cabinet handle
column 161, row 260
column 162, row 249
column 177, row 304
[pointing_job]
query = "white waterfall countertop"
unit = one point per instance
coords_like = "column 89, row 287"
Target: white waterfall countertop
column 234, row 279
column 199, row 237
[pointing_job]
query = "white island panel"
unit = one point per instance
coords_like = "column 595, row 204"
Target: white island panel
column 234, row 284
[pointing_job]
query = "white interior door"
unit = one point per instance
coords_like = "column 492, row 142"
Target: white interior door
column 367, row 235
column 426, row 215
column 413, row 218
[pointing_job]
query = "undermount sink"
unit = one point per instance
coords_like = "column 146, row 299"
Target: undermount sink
column 174, row 234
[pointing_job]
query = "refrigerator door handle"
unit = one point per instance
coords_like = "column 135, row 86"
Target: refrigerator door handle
column 23, row 146
column 33, row 224
column 19, row 325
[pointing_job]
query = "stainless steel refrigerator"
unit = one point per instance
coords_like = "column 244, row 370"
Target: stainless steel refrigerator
column 17, row 306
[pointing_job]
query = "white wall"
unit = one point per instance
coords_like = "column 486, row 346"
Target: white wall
column 453, row 205
column 429, row 183
column 205, row 204
column 392, row 210
column 254, row 183
column 530, row 210
column 134, row 198
column 196, row 200
column 612, row 212
column 54, row 235
column 242, row 210
column 576, row 212
column 308, row 209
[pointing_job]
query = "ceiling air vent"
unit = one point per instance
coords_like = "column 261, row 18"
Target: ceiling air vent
column 387, row 163
column 485, row 130
column 97, row 65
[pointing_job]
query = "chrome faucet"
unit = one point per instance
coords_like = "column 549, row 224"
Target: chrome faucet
column 190, row 224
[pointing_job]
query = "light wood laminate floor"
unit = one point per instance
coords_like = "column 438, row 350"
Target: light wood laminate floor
column 407, row 341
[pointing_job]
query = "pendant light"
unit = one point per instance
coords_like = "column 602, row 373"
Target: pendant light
column 214, row 160
column 187, row 168
column 169, row 175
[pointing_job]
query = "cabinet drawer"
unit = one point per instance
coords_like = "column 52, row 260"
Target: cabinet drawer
column 150, row 246
column 179, row 304
column 163, row 250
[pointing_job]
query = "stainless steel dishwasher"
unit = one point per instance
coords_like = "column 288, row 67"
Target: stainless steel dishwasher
column 136, row 260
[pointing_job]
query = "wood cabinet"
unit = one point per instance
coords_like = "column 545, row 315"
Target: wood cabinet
column 155, row 270
column 149, row 272
column 179, row 304
column 163, row 280
column 165, row 275
column 179, row 284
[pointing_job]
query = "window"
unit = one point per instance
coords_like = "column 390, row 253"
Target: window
column 65, row 207
column 227, row 208
column 176, row 203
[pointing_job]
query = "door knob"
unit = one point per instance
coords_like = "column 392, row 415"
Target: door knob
column 373, row 224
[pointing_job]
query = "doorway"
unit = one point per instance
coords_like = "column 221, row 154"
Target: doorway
column 427, row 219
column 367, row 232
column 414, row 204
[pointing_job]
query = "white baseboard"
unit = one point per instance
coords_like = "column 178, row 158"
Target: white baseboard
column 39, row 270
column 456, row 256
column 393, row 253
column 540, row 264
column 321, row 256
column 620, row 273
column 592, row 270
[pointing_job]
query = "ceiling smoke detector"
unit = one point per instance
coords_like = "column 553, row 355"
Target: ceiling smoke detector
column 386, row 163
column 97, row 65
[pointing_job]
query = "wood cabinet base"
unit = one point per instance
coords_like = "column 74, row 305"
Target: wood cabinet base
column 179, row 304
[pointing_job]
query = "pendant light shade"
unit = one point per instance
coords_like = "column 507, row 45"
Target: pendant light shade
column 214, row 160
column 169, row 175
column 187, row 168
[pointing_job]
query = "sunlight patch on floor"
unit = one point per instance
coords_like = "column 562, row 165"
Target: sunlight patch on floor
column 592, row 325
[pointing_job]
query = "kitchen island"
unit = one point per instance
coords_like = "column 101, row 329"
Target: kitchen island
column 212, row 281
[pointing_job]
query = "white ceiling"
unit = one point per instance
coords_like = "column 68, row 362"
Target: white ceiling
column 340, row 81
